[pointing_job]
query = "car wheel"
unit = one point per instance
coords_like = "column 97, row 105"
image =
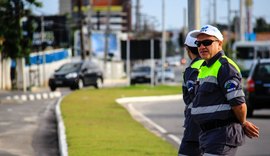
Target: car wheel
column 132, row 82
column 53, row 88
column 99, row 83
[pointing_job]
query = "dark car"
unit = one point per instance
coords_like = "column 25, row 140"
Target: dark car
column 76, row 75
column 258, row 86
column 141, row 74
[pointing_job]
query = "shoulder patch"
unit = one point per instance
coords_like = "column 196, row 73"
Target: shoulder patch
column 190, row 85
column 230, row 85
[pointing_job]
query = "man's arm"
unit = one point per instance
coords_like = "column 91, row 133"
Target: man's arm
column 250, row 129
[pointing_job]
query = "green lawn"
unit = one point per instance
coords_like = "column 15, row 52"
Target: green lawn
column 97, row 126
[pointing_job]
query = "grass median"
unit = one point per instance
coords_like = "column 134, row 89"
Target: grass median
column 96, row 125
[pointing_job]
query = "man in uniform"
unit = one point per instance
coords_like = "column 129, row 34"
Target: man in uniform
column 190, row 141
column 219, row 105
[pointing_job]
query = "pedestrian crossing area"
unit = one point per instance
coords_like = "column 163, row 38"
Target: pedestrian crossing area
column 32, row 96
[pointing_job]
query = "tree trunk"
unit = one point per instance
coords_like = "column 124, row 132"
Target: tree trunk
column 6, row 81
column 20, row 76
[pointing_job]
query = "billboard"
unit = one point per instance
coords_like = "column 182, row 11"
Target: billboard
column 140, row 49
column 98, row 44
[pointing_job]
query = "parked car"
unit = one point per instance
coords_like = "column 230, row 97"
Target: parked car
column 141, row 74
column 76, row 75
column 169, row 74
column 258, row 86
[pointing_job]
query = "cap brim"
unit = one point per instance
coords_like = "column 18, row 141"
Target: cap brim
column 195, row 34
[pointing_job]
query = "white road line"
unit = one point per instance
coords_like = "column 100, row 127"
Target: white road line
column 31, row 97
column 159, row 128
column 24, row 97
column 175, row 138
column 162, row 130
column 45, row 95
column 51, row 95
column 38, row 96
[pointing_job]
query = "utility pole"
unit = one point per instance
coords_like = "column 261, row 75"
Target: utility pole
column 138, row 16
column 242, row 21
column 79, row 3
column 90, row 28
column 163, row 45
column 229, row 24
column 107, row 35
column 214, row 12
column 193, row 14
column 43, row 51
column 249, row 4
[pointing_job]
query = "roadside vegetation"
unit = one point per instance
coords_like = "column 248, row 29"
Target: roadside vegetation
column 96, row 125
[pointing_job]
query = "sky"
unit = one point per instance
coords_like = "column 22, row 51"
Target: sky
column 174, row 11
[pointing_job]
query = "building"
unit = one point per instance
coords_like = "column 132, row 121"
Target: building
column 116, row 12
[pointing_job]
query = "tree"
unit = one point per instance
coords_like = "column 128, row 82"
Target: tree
column 12, row 11
column 16, row 45
column 261, row 25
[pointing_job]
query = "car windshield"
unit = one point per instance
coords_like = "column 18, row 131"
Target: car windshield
column 263, row 70
column 70, row 67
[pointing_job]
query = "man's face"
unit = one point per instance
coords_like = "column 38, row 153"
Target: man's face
column 209, row 46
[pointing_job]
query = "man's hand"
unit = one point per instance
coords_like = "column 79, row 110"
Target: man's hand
column 250, row 129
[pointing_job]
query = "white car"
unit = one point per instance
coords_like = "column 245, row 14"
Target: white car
column 169, row 74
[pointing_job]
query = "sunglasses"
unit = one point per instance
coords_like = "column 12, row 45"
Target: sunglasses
column 204, row 42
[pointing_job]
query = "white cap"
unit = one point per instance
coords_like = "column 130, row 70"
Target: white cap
column 209, row 30
column 190, row 41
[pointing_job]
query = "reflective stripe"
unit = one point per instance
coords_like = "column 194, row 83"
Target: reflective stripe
column 210, row 79
column 190, row 105
column 210, row 109
column 234, row 94
column 232, row 63
column 208, row 154
column 182, row 155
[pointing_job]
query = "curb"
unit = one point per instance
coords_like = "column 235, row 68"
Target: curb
column 148, row 123
column 63, row 148
column 148, row 99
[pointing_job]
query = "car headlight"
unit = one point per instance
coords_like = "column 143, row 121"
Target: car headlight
column 71, row 75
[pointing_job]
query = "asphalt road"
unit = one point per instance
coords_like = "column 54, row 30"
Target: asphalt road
column 168, row 115
column 28, row 128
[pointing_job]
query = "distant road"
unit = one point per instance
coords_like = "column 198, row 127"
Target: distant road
column 169, row 116
column 28, row 128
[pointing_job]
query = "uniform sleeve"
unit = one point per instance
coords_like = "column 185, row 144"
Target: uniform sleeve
column 190, row 78
column 230, row 82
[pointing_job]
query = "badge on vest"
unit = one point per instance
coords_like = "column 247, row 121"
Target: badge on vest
column 230, row 85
